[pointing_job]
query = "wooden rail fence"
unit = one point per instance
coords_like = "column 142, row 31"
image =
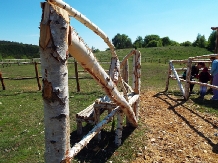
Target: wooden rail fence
column 173, row 73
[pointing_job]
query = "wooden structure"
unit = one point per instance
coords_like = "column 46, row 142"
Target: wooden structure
column 56, row 39
column 2, row 81
column 173, row 73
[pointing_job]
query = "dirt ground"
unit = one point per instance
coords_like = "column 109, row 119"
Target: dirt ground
column 176, row 131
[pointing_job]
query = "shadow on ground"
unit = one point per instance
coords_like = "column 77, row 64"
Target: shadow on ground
column 180, row 102
column 98, row 151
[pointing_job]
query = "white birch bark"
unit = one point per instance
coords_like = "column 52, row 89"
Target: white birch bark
column 85, row 57
column 81, row 18
column 80, row 145
column 177, row 78
column 53, row 50
column 119, row 130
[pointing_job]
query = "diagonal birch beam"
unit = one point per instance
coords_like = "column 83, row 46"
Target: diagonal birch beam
column 114, row 70
column 80, row 145
column 177, row 78
column 81, row 18
column 85, row 57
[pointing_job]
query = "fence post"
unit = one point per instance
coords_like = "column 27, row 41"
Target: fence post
column 136, row 80
column 188, row 77
column 77, row 76
column 2, row 81
column 53, row 49
column 37, row 76
column 168, row 78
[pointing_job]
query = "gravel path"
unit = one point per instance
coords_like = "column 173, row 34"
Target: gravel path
column 176, row 131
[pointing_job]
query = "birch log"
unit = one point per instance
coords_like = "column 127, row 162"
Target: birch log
column 119, row 130
column 80, row 145
column 136, row 80
column 85, row 57
column 177, row 77
column 53, row 53
column 81, row 18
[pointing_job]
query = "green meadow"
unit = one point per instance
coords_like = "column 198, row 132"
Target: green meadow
column 21, row 106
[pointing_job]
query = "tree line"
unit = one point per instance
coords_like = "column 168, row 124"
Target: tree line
column 122, row 41
column 10, row 49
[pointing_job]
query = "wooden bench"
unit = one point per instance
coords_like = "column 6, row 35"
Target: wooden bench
column 92, row 113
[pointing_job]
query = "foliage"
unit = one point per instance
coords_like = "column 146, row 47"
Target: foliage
column 94, row 50
column 17, row 50
column 139, row 43
column 211, row 41
column 122, row 41
column 186, row 43
column 166, row 41
column 154, row 40
column 200, row 41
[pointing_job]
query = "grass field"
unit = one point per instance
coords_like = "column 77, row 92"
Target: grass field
column 21, row 107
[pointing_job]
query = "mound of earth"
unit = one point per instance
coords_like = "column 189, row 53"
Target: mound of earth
column 177, row 132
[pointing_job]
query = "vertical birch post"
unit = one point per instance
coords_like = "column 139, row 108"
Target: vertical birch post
column 37, row 76
column 119, row 130
column 136, row 80
column 54, row 28
column 125, row 72
column 188, row 77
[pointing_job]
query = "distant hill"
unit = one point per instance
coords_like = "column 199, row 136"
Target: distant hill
column 163, row 54
column 17, row 50
column 9, row 49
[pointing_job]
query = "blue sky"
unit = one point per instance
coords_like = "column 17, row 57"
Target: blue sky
column 180, row 20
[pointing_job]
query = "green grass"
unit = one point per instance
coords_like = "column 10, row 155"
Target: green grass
column 21, row 108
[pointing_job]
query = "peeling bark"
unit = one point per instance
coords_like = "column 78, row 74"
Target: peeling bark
column 53, row 54
column 119, row 130
column 87, row 60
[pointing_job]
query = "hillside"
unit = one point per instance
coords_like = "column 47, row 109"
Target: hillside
column 160, row 54
column 9, row 49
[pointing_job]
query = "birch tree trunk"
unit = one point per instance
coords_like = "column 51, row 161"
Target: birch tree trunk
column 53, row 43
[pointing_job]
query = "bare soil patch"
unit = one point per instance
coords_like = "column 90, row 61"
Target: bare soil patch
column 177, row 132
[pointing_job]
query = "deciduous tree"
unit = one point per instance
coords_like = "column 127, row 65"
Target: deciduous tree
column 153, row 39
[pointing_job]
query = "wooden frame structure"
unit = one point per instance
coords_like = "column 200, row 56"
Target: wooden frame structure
column 173, row 74
column 57, row 38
